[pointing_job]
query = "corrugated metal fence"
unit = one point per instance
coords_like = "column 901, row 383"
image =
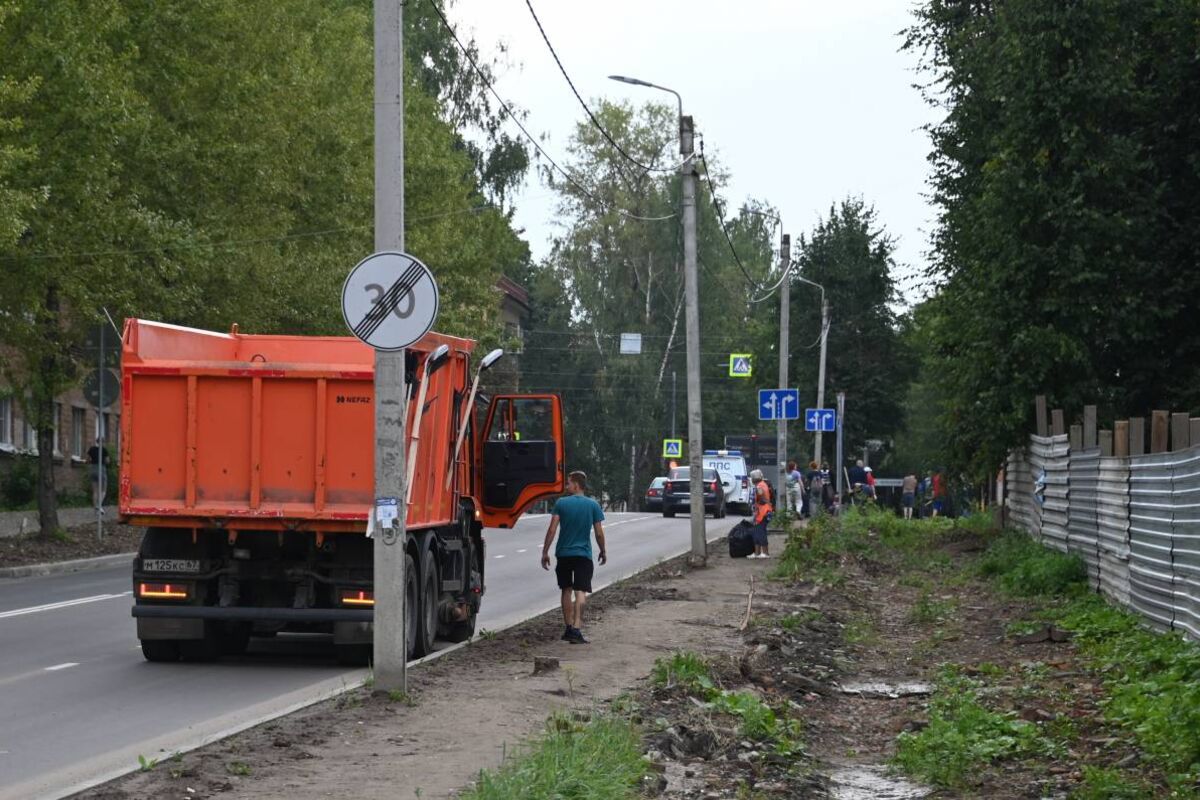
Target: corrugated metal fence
column 1134, row 521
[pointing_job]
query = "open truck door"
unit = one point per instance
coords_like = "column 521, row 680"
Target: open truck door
column 522, row 455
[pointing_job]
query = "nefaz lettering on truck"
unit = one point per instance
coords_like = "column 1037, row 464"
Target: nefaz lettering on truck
column 250, row 461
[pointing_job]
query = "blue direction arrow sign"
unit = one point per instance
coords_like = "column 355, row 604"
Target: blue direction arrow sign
column 779, row 404
column 820, row 419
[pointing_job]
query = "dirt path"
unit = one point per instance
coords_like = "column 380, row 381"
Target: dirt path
column 467, row 710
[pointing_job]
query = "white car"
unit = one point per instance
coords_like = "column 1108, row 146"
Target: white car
column 730, row 465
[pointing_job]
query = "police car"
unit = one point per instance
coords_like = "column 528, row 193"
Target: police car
column 730, row 465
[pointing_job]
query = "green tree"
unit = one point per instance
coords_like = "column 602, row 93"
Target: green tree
column 617, row 268
column 209, row 162
column 1065, row 177
column 851, row 255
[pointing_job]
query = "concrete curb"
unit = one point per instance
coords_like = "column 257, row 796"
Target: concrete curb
column 67, row 567
column 100, row 770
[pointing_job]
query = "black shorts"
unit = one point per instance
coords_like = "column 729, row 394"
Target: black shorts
column 575, row 572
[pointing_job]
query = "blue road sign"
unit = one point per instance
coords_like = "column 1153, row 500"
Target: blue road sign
column 820, row 419
column 779, row 404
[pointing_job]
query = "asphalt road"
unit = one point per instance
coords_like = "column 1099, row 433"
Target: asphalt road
column 78, row 702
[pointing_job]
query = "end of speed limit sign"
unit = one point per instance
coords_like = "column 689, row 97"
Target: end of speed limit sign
column 390, row 300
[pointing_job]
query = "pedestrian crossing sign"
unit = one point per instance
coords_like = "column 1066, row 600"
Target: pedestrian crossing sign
column 672, row 448
column 740, row 365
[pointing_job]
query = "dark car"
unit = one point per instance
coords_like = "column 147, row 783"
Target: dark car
column 677, row 493
column 654, row 494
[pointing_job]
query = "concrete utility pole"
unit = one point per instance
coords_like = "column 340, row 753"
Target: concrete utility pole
column 691, row 292
column 785, row 305
column 821, row 373
column 390, row 634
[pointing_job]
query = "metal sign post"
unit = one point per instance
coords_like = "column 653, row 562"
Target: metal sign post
column 841, row 414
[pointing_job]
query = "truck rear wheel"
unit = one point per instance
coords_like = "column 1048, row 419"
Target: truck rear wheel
column 427, row 633
column 411, row 609
column 160, row 649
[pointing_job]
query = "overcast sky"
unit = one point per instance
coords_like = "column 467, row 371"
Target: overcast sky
column 804, row 101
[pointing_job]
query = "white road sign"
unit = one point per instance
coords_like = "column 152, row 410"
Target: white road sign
column 390, row 300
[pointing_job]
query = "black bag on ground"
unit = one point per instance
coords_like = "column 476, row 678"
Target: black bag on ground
column 741, row 539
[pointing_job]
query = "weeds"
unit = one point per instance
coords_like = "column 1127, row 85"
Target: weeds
column 1023, row 567
column 792, row 623
column 597, row 760
column 685, row 669
column 239, row 768
column 402, row 697
column 928, row 610
column 146, row 764
column 963, row 735
column 1108, row 784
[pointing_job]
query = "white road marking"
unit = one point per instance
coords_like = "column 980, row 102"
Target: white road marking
column 67, row 665
column 18, row 612
column 500, row 556
column 522, row 550
column 627, row 521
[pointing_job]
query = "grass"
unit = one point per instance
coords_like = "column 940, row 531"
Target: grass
column 928, row 610
column 795, row 622
column 685, row 669
column 596, row 760
column 757, row 720
column 1109, row 784
column 963, row 735
column 1153, row 685
column 1023, row 567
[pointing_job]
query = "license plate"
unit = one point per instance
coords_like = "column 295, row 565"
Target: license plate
column 170, row 565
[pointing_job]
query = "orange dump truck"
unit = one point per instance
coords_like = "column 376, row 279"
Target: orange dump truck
column 250, row 461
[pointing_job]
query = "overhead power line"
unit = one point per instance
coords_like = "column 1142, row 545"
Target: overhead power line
column 716, row 201
column 512, row 116
column 582, row 102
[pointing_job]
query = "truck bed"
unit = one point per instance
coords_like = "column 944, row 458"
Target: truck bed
column 270, row 432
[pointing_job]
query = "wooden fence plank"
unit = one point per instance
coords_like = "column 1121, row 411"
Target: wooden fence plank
column 1121, row 438
column 1159, row 427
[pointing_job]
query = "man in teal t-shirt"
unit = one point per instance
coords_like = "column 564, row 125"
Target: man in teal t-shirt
column 578, row 515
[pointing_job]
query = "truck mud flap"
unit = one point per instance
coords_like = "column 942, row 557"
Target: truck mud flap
column 254, row 614
column 169, row 628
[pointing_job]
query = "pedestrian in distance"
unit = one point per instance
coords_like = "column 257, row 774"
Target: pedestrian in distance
column 762, row 515
column 827, row 487
column 578, row 516
column 815, row 485
column 795, row 489
column 908, row 494
column 939, row 493
column 857, row 475
column 870, row 486
column 97, row 456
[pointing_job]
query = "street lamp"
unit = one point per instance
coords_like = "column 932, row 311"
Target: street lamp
column 648, row 85
column 691, row 291
column 821, row 368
